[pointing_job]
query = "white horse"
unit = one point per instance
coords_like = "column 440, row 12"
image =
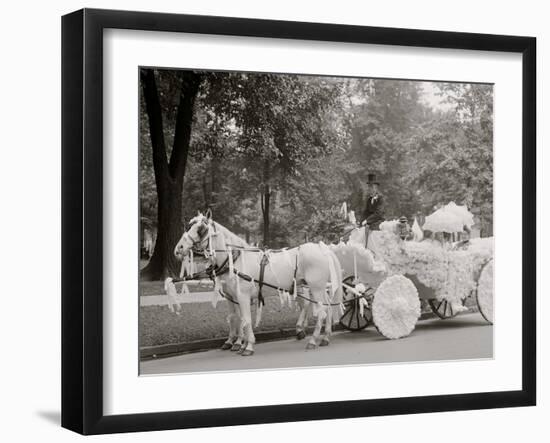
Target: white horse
column 355, row 261
column 311, row 264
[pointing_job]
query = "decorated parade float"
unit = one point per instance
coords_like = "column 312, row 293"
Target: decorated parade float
column 385, row 282
column 386, row 274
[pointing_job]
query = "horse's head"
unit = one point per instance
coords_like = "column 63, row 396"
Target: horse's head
column 196, row 236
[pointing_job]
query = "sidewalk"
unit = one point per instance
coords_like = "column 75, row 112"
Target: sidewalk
column 161, row 300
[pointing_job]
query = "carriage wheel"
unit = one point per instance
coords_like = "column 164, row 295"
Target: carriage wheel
column 352, row 320
column 396, row 307
column 484, row 293
column 442, row 308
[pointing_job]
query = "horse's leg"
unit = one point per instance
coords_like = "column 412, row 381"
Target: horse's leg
column 325, row 341
column 244, row 342
column 301, row 324
column 246, row 321
column 333, row 299
column 320, row 314
column 233, row 320
column 238, row 343
column 328, row 320
column 319, row 317
column 237, row 324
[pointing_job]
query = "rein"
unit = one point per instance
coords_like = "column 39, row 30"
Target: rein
column 248, row 278
column 224, row 268
column 214, row 270
column 347, row 234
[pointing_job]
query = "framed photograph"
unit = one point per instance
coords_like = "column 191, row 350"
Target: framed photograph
column 269, row 221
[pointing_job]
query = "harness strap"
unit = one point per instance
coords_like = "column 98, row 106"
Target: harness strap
column 263, row 264
column 228, row 298
column 197, row 275
column 293, row 290
column 251, row 279
column 210, row 271
column 224, row 267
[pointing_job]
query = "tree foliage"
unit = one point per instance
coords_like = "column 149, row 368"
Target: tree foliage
column 451, row 156
column 275, row 155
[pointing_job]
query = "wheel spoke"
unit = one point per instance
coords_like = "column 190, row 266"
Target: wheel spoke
column 352, row 318
column 442, row 308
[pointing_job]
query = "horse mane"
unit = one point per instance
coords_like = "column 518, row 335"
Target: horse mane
column 229, row 236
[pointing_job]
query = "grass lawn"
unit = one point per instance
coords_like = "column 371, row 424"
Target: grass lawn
column 197, row 321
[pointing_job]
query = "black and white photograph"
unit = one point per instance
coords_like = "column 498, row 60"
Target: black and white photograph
column 270, row 222
column 296, row 221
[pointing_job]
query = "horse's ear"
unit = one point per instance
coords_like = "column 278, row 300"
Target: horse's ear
column 208, row 214
column 199, row 213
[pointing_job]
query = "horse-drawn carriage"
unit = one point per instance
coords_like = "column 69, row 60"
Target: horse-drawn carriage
column 381, row 281
column 385, row 283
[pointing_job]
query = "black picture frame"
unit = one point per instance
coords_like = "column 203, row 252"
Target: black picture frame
column 82, row 218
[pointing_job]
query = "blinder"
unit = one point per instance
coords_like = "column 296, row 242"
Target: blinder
column 202, row 233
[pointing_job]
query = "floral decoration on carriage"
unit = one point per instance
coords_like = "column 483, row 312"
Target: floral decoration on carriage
column 399, row 273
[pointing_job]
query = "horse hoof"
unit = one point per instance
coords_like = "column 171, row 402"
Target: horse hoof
column 300, row 335
column 311, row 346
column 226, row 346
column 236, row 347
column 247, row 353
column 324, row 342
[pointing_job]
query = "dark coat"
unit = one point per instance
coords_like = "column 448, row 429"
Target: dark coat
column 374, row 211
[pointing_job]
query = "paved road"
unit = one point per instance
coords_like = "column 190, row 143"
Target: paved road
column 463, row 337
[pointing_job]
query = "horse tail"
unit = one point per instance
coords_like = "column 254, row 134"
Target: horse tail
column 337, row 293
column 335, row 272
column 336, row 278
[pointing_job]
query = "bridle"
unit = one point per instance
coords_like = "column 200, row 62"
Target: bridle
column 196, row 246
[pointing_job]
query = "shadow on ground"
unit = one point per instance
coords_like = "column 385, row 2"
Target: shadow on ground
column 54, row 417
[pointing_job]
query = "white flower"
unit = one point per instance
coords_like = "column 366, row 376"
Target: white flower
column 449, row 218
column 485, row 292
column 451, row 274
column 396, row 307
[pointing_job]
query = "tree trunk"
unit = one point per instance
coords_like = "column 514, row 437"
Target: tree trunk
column 168, row 175
column 264, row 198
column 163, row 263
column 265, row 212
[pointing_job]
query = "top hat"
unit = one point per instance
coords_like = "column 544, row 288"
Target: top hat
column 403, row 219
column 371, row 179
